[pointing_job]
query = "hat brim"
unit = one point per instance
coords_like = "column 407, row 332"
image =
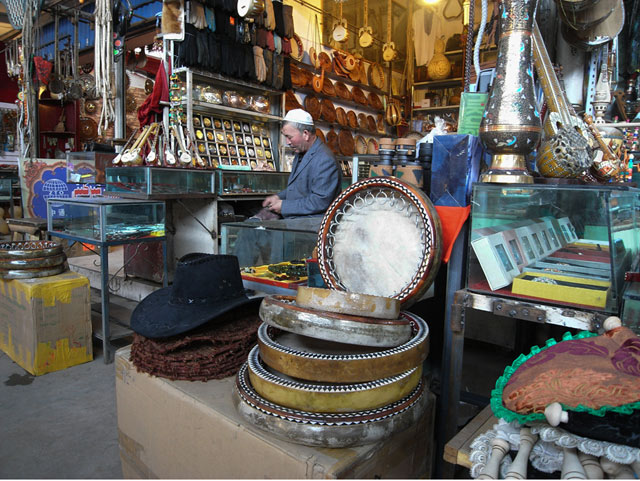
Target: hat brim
column 156, row 317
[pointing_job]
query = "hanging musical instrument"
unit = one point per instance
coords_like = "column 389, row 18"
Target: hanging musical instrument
column 565, row 152
column 318, row 82
column 133, row 157
column 118, row 158
column 314, row 51
column 183, row 154
column 169, row 156
column 152, row 156
column 389, row 51
column 340, row 33
column 365, row 34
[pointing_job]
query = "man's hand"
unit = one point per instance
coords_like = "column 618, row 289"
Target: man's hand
column 273, row 203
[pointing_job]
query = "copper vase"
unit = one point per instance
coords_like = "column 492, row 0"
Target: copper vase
column 511, row 128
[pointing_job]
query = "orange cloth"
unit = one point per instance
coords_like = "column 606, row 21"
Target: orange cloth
column 452, row 220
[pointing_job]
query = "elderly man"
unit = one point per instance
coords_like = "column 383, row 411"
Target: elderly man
column 315, row 178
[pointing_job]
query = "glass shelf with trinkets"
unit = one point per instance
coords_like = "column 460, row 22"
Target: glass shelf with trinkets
column 106, row 220
column 250, row 184
column 233, row 121
column 159, row 182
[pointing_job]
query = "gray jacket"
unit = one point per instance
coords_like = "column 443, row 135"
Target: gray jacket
column 314, row 182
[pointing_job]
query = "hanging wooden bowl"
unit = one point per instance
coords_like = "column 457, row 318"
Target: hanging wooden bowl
column 362, row 121
column 290, row 101
column 90, row 107
column 328, row 88
column 312, row 105
column 325, row 61
column 320, row 135
column 376, row 76
column 298, row 79
column 342, row 91
column 297, row 50
column 359, row 96
column 371, row 123
column 88, row 129
column 148, row 86
column 372, row 146
column 328, row 111
column 360, row 145
column 332, row 141
column 374, row 101
column 352, row 119
column 346, row 143
column 341, row 117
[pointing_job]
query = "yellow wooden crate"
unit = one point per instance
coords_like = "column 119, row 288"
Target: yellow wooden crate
column 45, row 323
column 574, row 290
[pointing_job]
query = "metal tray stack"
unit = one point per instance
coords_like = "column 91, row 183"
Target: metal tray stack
column 334, row 369
column 30, row 259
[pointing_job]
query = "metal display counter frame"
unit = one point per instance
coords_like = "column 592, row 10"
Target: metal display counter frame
column 105, row 335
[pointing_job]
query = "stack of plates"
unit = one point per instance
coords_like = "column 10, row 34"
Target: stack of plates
column 334, row 369
column 29, row 259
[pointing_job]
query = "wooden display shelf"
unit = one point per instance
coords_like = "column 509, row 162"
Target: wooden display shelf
column 337, row 126
column 448, row 82
column 434, row 109
column 458, row 449
column 333, row 76
column 353, row 103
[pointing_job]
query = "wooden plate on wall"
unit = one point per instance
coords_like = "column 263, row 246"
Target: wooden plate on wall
column 332, row 141
column 320, row 135
column 312, row 105
column 342, row 91
column 359, row 96
column 341, row 116
column 346, row 143
column 328, row 88
column 376, row 76
column 372, row 146
column 360, row 145
column 352, row 119
column 325, row 61
column 362, row 121
column 328, row 110
column 374, row 101
column 371, row 123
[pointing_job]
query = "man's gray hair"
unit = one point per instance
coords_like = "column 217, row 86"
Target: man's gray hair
column 302, row 127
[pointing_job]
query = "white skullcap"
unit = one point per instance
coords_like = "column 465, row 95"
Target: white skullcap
column 299, row 116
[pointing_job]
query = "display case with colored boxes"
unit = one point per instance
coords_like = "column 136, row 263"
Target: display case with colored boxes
column 159, row 182
column 106, row 219
column 560, row 244
column 250, row 183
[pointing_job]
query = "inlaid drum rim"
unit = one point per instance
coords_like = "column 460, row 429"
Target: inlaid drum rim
column 32, row 273
column 424, row 276
column 420, row 336
column 345, row 367
column 32, row 262
column 290, row 303
column 249, row 395
column 29, row 249
column 330, row 397
column 283, row 313
column 310, row 298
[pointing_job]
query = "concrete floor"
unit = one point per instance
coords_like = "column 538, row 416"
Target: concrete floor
column 60, row 425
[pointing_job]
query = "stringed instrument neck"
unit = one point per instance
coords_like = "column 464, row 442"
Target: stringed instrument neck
column 553, row 92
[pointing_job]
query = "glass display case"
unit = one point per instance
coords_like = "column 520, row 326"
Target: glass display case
column 250, row 183
column 159, row 182
column 566, row 245
column 106, row 220
column 270, row 242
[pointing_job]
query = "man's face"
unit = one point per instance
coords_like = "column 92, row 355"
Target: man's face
column 295, row 139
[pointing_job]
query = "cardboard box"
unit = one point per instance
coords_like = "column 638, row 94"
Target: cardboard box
column 182, row 429
column 45, row 323
column 588, row 292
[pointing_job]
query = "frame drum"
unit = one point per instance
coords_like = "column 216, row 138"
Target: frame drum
column 327, row 430
column 382, row 237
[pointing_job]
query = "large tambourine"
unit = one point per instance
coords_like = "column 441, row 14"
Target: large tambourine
column 383, row 237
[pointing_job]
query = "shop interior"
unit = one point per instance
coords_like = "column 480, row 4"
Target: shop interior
column 466, row 304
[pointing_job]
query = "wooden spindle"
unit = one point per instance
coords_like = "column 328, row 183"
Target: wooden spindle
column 518, row 468
column 571, row 467
column 591, row 466
column 499, row 449
column 616, row 470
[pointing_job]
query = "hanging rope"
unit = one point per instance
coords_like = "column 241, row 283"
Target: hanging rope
column 103, row 55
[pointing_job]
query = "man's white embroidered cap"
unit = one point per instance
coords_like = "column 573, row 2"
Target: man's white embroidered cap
column 298, row 116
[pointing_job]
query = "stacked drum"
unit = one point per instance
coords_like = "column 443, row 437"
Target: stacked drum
column 30, row 259
column 324, row 374
column 342, row 366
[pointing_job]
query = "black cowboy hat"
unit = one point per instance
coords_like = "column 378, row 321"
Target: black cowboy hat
column 205, row 286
